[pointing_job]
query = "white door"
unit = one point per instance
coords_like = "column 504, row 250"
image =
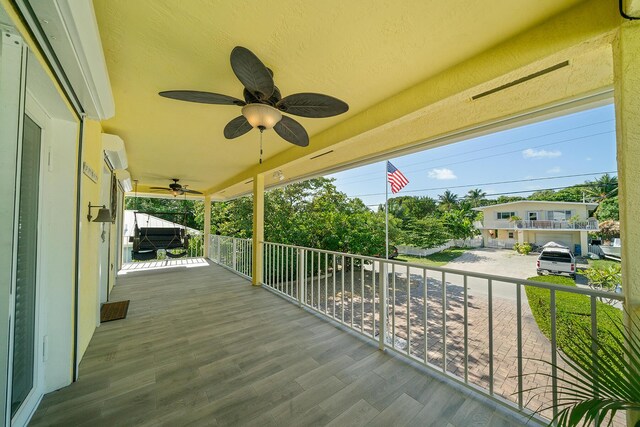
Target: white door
column 561, row 238
column 105, row 192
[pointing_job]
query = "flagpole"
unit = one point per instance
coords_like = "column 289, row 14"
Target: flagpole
column 386, row 209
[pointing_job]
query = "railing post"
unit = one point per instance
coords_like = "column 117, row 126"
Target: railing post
column 218, row 256
column 234, row 257
column 301, row 276
column 382, row 304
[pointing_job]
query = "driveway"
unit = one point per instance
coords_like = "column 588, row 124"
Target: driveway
column 498, row 262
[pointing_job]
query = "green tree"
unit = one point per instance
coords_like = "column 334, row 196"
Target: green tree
column 427, row 232
column 459, row 223
column 602, row 188
column 447, row 201
column 476, row 197
column 608, row 209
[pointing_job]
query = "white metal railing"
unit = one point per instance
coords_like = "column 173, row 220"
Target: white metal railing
column 475, row 328
column 232, row 253
column 590, row 224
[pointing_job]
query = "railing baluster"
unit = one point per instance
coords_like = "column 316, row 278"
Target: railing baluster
column 382, row 302
column 326, row 282
column 425, row 317
column 393, row 305
column 373, row 299
column 466, row 329
column 353, row 267
column 408, row 311
column 312, row 280
column 319, row 278
column 490, row 296
column 333, row 288
column 519, row 326
column 594, row 344
column 362, row 295
column 342, row 292
column 444, row 323
column 554, row 356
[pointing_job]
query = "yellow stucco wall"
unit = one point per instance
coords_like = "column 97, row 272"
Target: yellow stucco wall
column 89, row 237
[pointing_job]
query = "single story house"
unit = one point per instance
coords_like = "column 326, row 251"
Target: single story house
column 538, row 222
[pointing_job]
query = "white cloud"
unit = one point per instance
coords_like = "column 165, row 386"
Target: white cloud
column 530, row 153
column 554, row 170
column 441, row 174
column 588, row 159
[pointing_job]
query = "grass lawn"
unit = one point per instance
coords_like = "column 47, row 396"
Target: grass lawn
column 573, row 313
column 435, row 260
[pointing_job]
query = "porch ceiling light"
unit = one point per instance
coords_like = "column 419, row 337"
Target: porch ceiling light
column 104, row 215
column 261, row 116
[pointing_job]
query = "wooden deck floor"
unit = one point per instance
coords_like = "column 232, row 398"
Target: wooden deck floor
column 201, row 346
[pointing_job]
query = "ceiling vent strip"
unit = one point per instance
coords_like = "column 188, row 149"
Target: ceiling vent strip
column 522, row 80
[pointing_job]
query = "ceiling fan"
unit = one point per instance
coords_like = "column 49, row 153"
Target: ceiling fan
column 263, row 104
column 176, row 189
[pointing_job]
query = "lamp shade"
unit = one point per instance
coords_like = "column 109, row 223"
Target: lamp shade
column 261, row 115
column 104, row 215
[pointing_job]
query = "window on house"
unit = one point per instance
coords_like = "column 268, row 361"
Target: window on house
column 558, row 215
column 511, row 234
column 506, row 215
column 533, row 216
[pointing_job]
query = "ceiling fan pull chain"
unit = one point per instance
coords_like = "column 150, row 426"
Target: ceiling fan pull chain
column 261, row 131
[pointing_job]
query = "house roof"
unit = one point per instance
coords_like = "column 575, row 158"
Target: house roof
column 146, row 220
column 542, row 202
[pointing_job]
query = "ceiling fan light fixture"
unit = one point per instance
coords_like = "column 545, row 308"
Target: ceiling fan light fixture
column 261, row 116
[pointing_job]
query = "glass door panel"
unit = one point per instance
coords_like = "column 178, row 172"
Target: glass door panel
column 25, row 297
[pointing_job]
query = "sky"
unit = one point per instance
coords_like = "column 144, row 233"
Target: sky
column 582, row 143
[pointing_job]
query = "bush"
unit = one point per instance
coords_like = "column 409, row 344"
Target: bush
column 573, row 314
column 523, row 249
column 607, row 278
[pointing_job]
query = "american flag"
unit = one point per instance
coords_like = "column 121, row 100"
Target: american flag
column 395, row 178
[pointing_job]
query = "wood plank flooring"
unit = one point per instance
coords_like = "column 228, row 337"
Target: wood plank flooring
column 201, row 346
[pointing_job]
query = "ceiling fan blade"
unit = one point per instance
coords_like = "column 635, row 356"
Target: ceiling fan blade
column 160, row 188
column 312, row 105
column 184, row 190
column 252, row 73
column 202, row 97
column 292, row 131
column 237, row 127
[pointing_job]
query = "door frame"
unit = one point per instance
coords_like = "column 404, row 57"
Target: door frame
column 39, row 116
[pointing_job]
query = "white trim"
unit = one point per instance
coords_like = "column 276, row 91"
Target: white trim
column 483, row 208
column 71, row 29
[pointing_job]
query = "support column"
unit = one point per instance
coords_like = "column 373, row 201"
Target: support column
column 207, row 226
column 626, row 77
column 626, row 53
column 258, row 229
column 584, row 243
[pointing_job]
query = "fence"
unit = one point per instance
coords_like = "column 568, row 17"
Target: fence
column 499, row 244
column 233, row 253
column 461, row 243
column 425, row 314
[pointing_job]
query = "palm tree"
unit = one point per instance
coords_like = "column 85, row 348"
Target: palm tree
column 475, row 197
column 602, row 188
column 448, row 200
